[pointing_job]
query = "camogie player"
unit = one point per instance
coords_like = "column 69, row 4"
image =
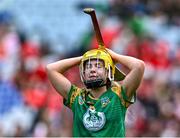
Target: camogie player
column 99, row 109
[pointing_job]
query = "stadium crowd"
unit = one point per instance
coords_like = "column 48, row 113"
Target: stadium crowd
column 146, row 29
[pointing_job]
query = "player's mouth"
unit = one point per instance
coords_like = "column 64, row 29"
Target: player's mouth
column 93, row 77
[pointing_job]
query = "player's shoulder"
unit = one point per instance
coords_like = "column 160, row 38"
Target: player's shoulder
column 73, row 94
column 79, row 91
column 75, row 91
column 116, row 87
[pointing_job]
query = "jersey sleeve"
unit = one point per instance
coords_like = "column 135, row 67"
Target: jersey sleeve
column 72, row 94
column 127, row 102
column 121, row 92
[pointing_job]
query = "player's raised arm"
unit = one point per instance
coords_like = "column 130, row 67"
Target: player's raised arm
column 134, row 77
column 55, row 74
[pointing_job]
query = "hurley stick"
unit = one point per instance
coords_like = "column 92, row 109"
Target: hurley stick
column 92, row 13
column 119, row 75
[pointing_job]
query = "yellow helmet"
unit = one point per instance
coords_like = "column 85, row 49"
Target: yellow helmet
column 100, row 54
column 103, row 55
column 113, row 72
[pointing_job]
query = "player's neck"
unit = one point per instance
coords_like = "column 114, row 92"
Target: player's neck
column 98, row 91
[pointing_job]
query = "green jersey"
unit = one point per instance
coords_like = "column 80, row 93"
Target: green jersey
column 102, row 117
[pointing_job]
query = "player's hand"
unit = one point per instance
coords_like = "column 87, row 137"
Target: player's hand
column 112, row 53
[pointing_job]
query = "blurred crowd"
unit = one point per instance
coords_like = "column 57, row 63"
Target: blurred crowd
column 146, row 29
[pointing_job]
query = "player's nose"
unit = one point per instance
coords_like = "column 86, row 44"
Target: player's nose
column 93, row 69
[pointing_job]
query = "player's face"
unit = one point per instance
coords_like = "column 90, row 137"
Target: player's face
column 94, row 69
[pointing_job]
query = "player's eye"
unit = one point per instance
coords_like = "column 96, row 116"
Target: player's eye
column 88, row 66
column 99, row 65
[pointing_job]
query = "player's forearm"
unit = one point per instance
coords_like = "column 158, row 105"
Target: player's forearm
column 129, row 62
column 64, row 64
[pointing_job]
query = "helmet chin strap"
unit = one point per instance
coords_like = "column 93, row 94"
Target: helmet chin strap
column 94, row 83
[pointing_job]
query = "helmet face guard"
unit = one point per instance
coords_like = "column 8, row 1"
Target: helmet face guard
column 97, row 54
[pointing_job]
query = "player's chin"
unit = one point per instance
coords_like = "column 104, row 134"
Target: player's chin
column 91, row 79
